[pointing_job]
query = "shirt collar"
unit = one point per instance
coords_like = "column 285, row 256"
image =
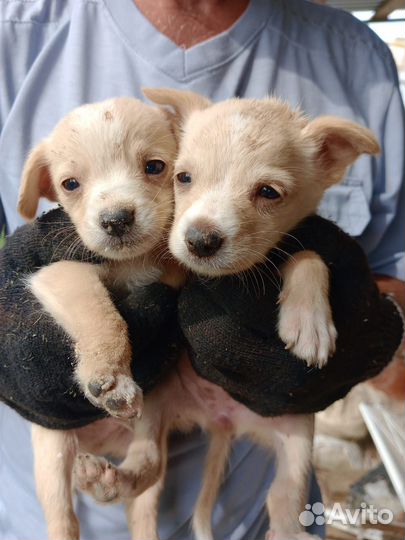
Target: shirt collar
column 179, row 63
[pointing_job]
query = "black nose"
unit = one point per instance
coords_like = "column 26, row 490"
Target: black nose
column 117, row 223
column 203, row 243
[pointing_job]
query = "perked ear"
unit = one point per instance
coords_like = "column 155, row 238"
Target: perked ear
column 35, row 183
column 182, row 102
column 340, row 142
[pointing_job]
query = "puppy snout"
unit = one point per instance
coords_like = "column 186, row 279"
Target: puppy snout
column 117, row 223
column 203, row 242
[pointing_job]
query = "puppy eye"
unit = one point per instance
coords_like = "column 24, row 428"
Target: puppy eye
column 268, row 192
column 184, row 178
column 70, row 184
column 155, row 166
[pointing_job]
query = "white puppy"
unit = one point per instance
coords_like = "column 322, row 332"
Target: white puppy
column 247, row 172
column 110, row 165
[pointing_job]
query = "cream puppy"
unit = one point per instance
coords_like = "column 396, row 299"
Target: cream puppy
column 247, row 172
column 110, row 165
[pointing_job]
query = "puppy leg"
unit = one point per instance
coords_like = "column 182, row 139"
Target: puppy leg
column 73, row 294
column 305, row 319
column 140, row 469
column 54, row 453
column 143, row 510
column 291, row 437
column 217, row 456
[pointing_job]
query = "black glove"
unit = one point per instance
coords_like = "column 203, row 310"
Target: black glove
column 231, row 329
column 36, row 356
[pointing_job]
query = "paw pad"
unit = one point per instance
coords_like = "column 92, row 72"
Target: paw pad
column 119, row 395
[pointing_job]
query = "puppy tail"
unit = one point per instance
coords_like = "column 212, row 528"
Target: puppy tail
column 216, row 461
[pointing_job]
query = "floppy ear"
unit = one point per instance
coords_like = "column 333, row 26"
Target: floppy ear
column 35, row 183
column 183, row 103
column 339, row 143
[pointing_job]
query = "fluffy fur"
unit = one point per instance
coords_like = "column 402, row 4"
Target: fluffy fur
column 228, row 153
column 110, row 166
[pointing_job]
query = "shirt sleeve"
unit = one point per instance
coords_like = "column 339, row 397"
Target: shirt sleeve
column 376, row 88
column 388, row 202
column 25, row 29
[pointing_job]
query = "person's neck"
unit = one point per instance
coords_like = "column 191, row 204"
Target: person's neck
column 188, row 22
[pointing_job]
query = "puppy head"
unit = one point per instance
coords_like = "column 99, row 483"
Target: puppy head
column 110, row 165
column 247, row 172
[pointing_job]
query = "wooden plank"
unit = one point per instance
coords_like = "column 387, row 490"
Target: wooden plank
column 386, row 8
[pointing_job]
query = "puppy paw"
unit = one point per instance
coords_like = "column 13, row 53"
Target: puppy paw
column 308, row 332
column 119, row 395
column 103, row 480
column 104, row 374
column 96, row 476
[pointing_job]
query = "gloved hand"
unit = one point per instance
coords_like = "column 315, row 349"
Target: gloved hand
column 37, row 357
column 231, row 328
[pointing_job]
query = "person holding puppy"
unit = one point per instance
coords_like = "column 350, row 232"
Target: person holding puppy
column 76, row 51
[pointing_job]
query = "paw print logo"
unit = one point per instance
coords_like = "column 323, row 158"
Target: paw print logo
column 312, row 514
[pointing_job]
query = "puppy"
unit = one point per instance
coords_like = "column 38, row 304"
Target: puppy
column 110, row 166
column 248, row 171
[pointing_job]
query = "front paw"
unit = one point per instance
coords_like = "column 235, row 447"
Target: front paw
column 118, row 394
column 104, row 374
column 308, row 332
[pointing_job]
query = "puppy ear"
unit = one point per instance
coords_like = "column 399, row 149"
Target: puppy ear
column 35, row 183
column 339, row 143
column 182, row 102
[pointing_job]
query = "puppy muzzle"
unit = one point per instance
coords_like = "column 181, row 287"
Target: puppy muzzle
column 203, row 243
column 117, row 223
